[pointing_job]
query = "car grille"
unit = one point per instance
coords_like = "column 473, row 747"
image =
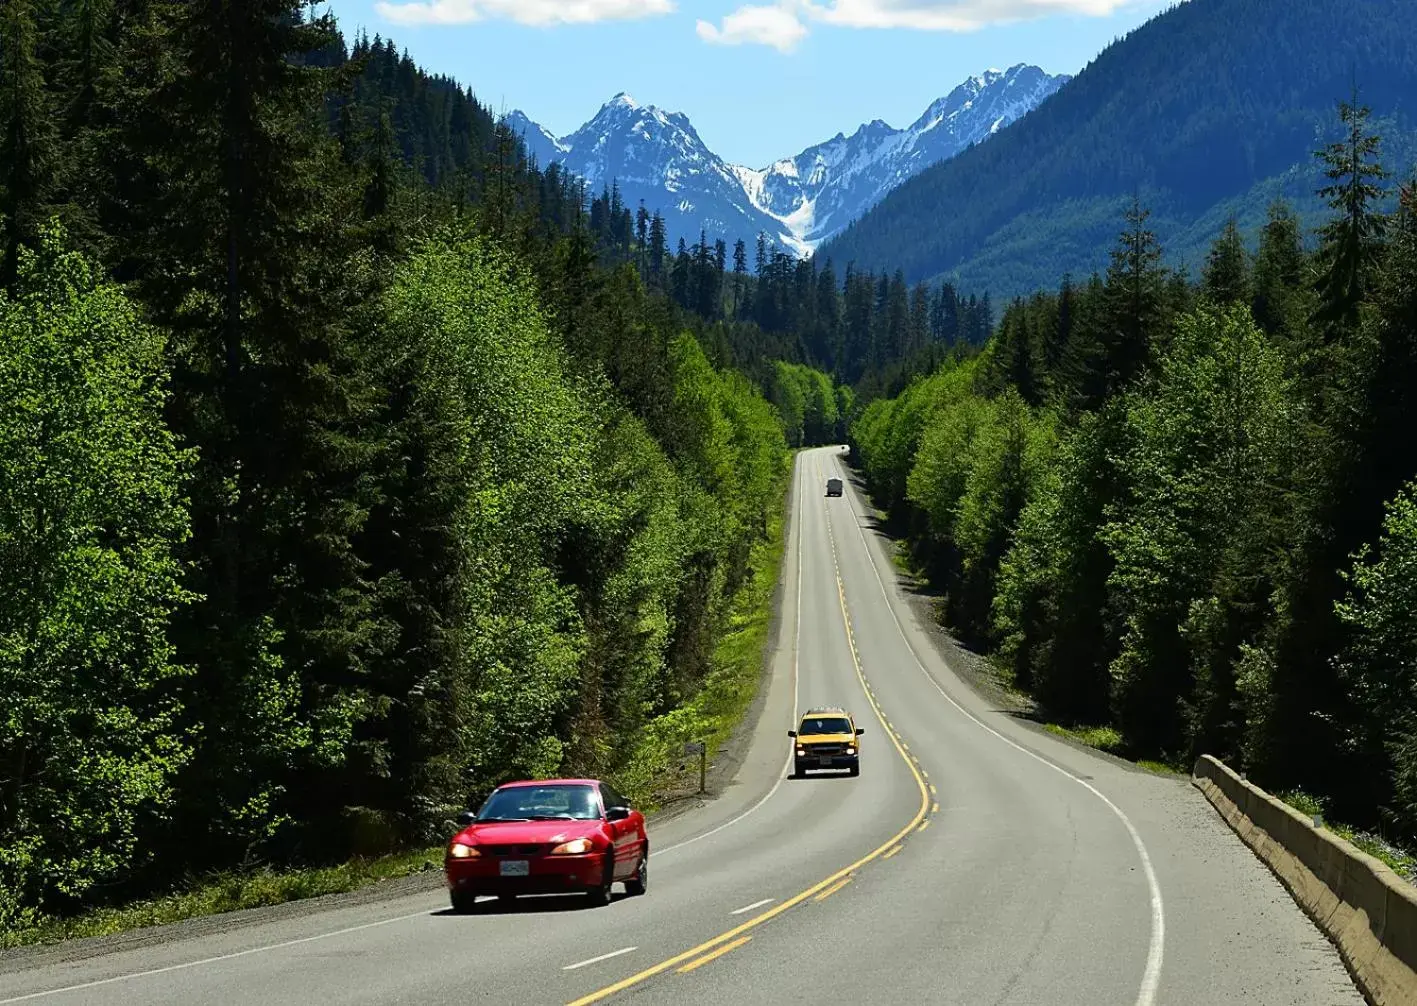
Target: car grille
column 825, row 749
column 538, row 849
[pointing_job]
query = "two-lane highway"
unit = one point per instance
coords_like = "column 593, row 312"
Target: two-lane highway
column 974, row 860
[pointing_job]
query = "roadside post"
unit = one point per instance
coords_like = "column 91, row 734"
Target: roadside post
column 701, row 749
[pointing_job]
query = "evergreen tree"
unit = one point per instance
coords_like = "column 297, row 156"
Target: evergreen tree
column 29, row 158
column 1351, row 243
column 658, row 248
column 1227, row 271
column 249, row 269
column 641, row 238
column 740, row 271
column 1280, row 277
column 1136, row 299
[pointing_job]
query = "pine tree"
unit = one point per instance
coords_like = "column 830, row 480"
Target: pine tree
column 680, row 281
column 642, row 239
column 1057, row 335
column 91, row 25
column 1351, row 244
column 246, row 260
column 658, row 247
column 919, row 327
column 1227, row 272
column 28, row 154
column 1279, row 277
column 1136, row 299
column 381, row 188
column 740, row 271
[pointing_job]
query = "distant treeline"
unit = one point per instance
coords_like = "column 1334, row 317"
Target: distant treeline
column 1185, row 508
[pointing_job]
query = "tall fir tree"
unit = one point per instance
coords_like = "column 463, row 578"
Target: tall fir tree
column 248, row 265
column 29, row 155
column 1136, row 299
column 1227, row 271
column 1351, row 243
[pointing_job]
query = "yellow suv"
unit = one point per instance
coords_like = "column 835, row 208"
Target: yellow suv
column 826, row 739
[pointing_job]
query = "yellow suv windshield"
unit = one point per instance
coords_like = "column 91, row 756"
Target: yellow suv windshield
column 825, row 725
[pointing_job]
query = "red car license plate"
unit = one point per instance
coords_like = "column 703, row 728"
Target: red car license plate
column 514, row 867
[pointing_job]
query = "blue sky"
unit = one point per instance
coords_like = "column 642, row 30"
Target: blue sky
column 759, row 80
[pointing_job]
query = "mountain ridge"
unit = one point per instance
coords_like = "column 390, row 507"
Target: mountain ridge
column 1163, row 114
column 798, row 201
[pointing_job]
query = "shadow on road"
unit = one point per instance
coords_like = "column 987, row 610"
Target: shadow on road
column 528, row 904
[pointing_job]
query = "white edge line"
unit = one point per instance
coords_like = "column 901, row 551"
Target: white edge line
column 602, row 957
column 749, row 908
column 796, row 647
column 1151, row 977
column 797, row 637
column 212, row 960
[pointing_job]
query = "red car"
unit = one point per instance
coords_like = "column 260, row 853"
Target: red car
column 555, row 836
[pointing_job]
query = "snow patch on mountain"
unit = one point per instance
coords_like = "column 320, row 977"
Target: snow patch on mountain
column 798, row 202
column 817, row 193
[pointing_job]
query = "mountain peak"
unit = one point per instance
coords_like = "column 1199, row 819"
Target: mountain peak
column 799, row 201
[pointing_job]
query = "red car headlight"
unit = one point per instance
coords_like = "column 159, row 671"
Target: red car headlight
column 459, row 850
column 575, row 847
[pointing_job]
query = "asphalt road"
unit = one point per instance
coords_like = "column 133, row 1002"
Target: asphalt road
column 974, row 860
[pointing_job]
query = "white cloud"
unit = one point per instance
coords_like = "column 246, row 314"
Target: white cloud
column 782, row 25
column 776, row 26
column 951, row 15
column 540, row 13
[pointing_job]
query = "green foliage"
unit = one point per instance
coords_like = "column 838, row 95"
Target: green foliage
column 28, row 168
column 462, row 499
column 1160, row 538
column 808, row 403
column 1351, row 243
column 1050, row 611
column 1207, row 448
column 1377, row 665
column 91, row 514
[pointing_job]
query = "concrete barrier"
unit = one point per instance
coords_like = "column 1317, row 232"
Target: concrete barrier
column 1368, row 911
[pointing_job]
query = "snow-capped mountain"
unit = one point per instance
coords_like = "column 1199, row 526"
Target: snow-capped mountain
column 821, row 190
column 798, row 201
column 657, row 157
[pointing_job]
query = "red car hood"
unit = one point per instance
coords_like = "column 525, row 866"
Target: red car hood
column 528, row 832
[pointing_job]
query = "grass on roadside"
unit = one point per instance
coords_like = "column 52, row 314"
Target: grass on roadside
column 658, row 767
column 1102, row 738
column 1109, row 740
column 227, row 893
column 1400, row 861
column 902, row 560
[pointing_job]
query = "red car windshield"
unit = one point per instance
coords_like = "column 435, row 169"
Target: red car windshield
column 541, row 803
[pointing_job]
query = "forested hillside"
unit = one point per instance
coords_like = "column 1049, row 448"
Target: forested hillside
column 349, row 464
column 1184, row 509
column 1210, row 110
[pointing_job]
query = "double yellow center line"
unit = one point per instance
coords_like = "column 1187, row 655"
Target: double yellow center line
column 712, row 949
